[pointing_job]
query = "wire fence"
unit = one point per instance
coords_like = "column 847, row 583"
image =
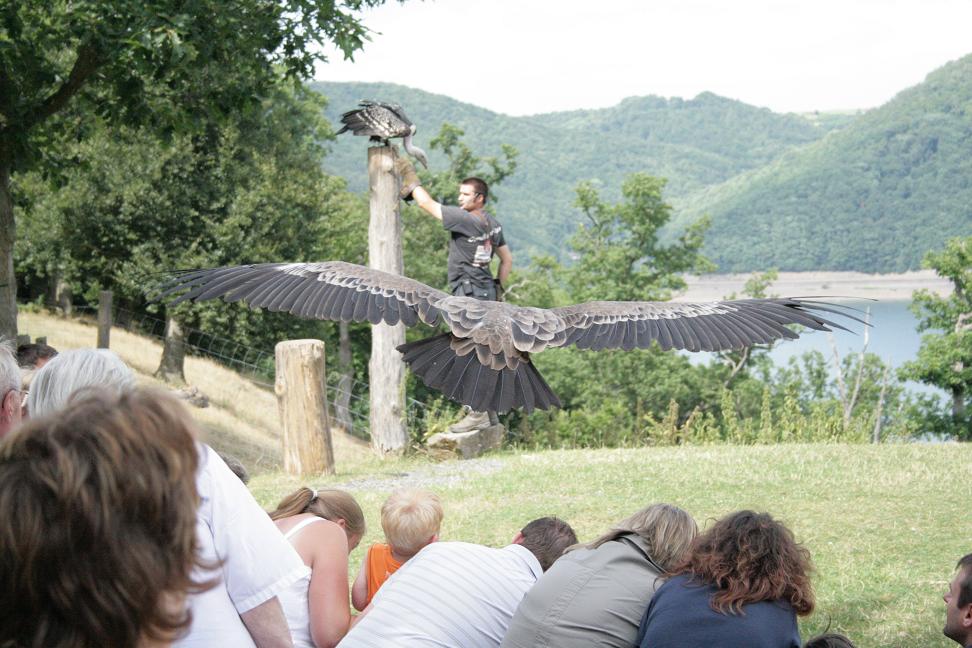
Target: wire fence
column 348, row 397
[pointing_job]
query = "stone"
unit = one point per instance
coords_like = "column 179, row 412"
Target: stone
column 192, row 395
column 468, row 445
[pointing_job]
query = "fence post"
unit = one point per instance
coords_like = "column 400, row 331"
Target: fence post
column 104, row 318
column 302, row 403
column 385, row 368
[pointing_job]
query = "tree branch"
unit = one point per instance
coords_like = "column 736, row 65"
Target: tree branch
column 840, row 376
column 736, row 366
column 860, row 371
column 84, row 66
column 876, row 435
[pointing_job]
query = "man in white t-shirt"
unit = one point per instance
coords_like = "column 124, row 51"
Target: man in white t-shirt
column 252, row 560
column 459, row 594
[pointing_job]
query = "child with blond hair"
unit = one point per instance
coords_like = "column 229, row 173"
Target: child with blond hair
column 410, row 519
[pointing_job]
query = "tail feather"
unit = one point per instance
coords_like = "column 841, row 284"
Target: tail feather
column 466, row 380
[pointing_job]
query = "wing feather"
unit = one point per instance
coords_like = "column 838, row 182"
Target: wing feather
column 690, row 342
column 708, row 326
column 328, row 290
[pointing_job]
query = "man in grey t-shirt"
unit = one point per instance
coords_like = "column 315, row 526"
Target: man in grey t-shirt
column 476, row 237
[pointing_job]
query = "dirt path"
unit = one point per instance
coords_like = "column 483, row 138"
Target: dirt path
column 447, row 473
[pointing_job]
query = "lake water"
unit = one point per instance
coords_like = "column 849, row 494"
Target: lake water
column 893, row 337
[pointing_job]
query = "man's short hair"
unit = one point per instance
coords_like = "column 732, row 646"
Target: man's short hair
column 829, row 640
column 479, row 186
column 548, row 538
column 235, row 465
column 965, row 586
column 73, row 371
column 99, row 523
column 409, row 518
column 29, row 354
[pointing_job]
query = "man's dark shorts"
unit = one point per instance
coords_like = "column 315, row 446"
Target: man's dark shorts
column 479, row 290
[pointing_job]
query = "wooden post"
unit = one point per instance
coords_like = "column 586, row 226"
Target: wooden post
column 302, row 403
column 172, row 365
column 104, row 318
column 385, row 368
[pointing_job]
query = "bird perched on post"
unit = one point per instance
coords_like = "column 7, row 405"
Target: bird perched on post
column 483, row 361
column 382, row 121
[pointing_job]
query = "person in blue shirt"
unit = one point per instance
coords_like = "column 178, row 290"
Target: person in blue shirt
column 742, row 585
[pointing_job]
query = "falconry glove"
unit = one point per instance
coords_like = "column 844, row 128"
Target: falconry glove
column 410, row 179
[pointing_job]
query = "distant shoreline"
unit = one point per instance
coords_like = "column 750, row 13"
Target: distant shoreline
column 839, row 285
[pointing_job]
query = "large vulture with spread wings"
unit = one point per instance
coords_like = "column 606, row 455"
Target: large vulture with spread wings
column 483, row 361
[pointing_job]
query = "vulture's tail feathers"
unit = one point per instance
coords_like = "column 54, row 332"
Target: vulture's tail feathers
column 466, row 380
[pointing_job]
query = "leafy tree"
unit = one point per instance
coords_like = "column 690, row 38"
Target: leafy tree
column 620, row 255
column 248, row 191
column 945, row 356
column 161, row 62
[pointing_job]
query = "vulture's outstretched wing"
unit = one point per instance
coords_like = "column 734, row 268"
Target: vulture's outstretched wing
column 484, row 361
column 707, row 326
column 332, row 290
column 377, row 119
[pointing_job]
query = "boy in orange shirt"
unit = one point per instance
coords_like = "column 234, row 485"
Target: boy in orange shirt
column 410, row 519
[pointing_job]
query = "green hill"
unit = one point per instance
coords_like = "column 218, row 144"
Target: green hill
column 874, row 196
column 694, row 143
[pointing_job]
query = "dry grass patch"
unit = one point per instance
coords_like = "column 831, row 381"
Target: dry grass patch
column 242, row 416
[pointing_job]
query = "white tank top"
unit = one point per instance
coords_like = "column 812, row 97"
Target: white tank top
column 294, row 598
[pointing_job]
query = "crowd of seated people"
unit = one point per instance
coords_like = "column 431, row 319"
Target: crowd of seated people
column 121, row 528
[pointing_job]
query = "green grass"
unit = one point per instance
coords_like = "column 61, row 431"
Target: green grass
column 885, row 524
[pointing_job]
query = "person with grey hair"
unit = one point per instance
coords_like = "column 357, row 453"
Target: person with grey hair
column 10, row 405
column 243, row 609
column 58, row 380
column 597, row 593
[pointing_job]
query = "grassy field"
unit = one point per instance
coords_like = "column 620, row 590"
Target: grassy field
column 885, row 524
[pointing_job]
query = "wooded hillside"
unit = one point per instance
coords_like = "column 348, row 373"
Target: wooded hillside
column 693, row 143
column 870, row 193
column 874, row 196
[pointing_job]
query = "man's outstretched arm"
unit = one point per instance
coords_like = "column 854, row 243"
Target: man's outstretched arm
column 412, row 188
column 426, row 202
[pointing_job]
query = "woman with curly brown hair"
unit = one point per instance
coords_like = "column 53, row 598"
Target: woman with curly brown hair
column 743, row 584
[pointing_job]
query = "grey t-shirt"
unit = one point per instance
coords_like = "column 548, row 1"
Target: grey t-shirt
column 475, row 240
column 589, row 597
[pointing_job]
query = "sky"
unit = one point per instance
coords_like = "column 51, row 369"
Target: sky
column 523, row 57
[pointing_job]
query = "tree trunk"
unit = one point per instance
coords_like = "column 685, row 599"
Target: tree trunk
column 302, row 402
column 104, row 319
column 386, row 369
column 958, row 401
column 8, row 234
column 63, row 296
column 342, row 399
column 173, row 353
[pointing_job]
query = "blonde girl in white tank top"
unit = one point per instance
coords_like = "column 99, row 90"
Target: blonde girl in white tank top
column 323, row 526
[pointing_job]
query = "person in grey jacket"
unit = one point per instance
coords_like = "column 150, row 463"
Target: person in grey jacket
column 596, row 594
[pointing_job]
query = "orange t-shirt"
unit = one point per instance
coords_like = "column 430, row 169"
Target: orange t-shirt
column 381, row 565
